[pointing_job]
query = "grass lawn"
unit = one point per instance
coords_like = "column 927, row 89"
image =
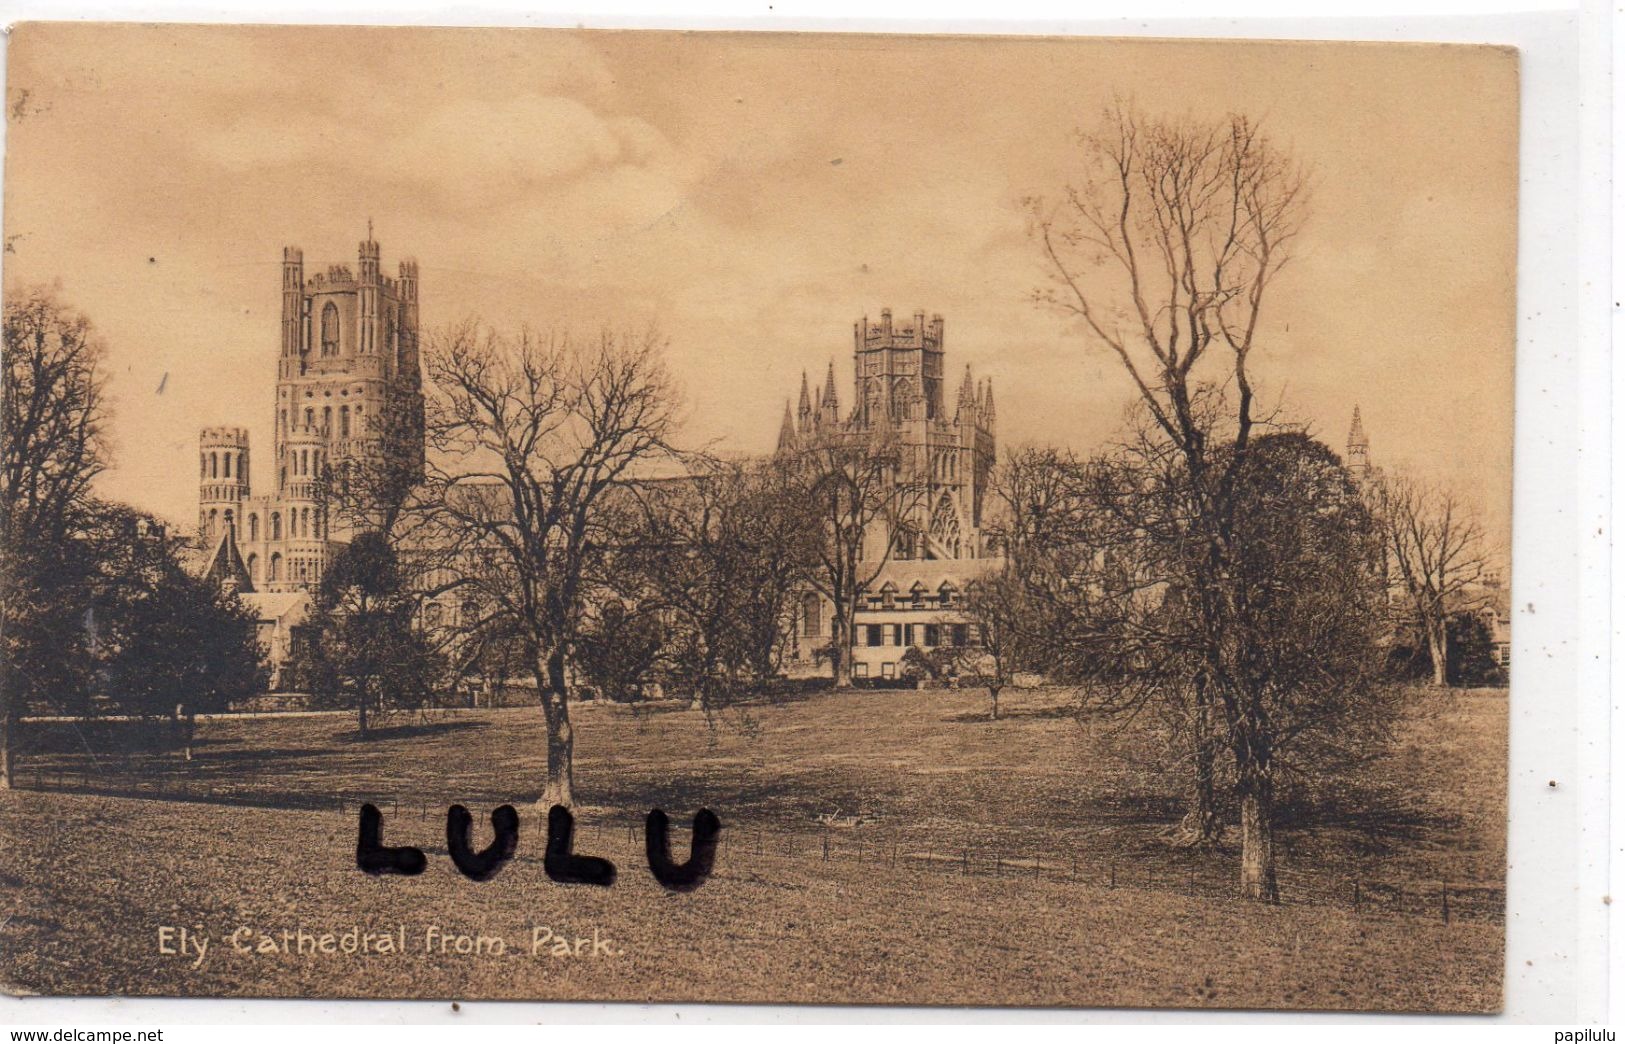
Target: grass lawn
column 1072, row 897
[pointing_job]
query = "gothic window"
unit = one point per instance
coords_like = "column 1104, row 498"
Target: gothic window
column 253, row 569
column 276, row 565
column 228, row 465
column 276, row 532
column 344, row 422
column 945, row 528
column 203, row 467
column 214, row 465
column 253, row 527
column 902, row 399
column 330, row 329
column 310, row 417
column 946, row 594
column 916, row 594
column 229, row 518
column 875, row 405
column 214, row 521
column 327, row 418
column 810, row 620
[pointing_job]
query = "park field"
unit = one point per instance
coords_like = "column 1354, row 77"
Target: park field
column 1016, row 862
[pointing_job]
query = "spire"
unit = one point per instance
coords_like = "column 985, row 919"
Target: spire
column 1358, row 457
column 806, row 400
column 987, row 407
column 967, row 393
column 828, row 402
column 787, row 429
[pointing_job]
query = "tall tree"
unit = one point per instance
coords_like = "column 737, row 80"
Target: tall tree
column 532, row 435
column 720, row 554
column 364, row 646
column 1436, row 553
column 1164, row 254
column 52, row 445
column 858, row 497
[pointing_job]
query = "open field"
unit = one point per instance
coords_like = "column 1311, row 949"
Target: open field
column 1072, row 897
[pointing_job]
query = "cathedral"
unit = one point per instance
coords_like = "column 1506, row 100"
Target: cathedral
column 348, row 359
column 900, row 382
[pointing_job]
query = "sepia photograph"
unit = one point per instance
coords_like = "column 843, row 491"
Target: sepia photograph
column 756, row 517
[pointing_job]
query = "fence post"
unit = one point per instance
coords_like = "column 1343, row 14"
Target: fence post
column 826, row 848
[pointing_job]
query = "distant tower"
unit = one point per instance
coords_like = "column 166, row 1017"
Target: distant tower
column 348, row 389
column 223, row 485
column 1358, row 457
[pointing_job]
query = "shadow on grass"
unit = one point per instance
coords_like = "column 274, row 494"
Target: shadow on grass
column 982, row 717
column 413, row 731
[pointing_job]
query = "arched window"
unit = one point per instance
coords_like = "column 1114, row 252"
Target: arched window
column 344, row 422
column 944, row 530
column 228, row 465
column 229, row 518
column 811, row 622
column 916, row 594
column 327, row 418
column 947, row 593
column 276, row 532
column 276, row 565
column 214, row 465
column 253, row 569
column 214, row 521
column 203, row 466
column 330, row 329
column 310, row 416
column 253, row 527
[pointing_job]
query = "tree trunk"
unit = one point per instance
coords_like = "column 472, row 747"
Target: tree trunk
column 8, row 758
column 840, row 651
column 560, row 786
column 1201, row 826
column 1258, row 843
column 361, row 713
column 993, row 690
column 1439, row 652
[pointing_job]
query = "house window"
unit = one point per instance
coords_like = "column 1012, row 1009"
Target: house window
column 933, row 636
column 860, row 670
column 871, row 635
column 961, row 635
column 888, row 670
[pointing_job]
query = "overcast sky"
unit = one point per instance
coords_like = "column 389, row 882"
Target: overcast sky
column 753, row 195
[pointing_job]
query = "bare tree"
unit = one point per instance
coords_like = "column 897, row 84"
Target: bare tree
column 534, row 433
column 52, row 446
column 857, row 498
column 1164, row 255
column 1435, row 548
column 721, row 553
